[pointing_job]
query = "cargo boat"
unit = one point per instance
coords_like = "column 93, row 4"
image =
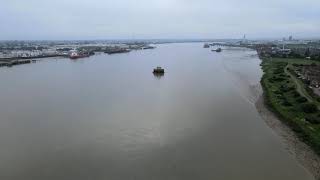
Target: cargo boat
column 77, row 55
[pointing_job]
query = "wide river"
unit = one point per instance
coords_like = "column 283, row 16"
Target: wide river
column 108, row 117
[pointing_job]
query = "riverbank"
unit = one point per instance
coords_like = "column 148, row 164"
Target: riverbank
column 280, row 108
column 292, row 143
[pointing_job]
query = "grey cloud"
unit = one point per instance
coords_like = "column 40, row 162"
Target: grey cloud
column 104, row 19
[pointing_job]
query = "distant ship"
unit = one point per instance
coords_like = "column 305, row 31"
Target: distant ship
column 148, row 47
column 76, row 55
column 217, row 50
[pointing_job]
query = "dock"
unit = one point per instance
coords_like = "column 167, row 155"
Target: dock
column 14, row 63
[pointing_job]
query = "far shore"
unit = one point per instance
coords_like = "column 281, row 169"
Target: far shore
column 292, row 143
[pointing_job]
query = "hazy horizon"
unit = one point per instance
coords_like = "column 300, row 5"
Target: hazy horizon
column 158, row 19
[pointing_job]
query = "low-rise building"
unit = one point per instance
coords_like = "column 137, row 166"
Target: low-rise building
column 312, row 74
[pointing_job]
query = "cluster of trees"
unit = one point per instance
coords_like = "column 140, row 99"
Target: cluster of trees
column 315, row 57
column 295, row 55
column 64, row 49
column 307, row 53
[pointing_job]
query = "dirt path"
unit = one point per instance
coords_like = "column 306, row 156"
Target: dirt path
column 299, row 87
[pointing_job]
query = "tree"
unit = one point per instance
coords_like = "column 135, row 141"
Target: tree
column 301, row 99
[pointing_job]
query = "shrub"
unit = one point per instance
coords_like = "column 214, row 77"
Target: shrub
column 277, row 92
column 291, row 88
column 277, row 78
column 301, row 99
column 280, row 96
column 295, row 94
column 278, row 71
column 270, row 80
column 286, row 88
column 286, row 103
column 309, row 108
column 313, row 119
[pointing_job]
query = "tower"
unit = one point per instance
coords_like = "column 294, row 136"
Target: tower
column 290, row 38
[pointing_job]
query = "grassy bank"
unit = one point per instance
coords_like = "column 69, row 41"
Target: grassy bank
column 290, row 99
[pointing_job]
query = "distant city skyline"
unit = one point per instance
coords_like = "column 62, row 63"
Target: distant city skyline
column 158, row 19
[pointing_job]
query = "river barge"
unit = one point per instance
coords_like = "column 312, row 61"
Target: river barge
column 217, row 50
column 158, row 70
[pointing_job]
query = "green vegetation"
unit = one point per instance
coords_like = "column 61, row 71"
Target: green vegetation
column 290, row 99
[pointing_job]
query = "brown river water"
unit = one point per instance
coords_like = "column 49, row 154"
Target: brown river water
column 108, row 117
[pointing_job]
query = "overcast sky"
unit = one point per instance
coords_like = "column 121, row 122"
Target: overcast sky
column 114, row 19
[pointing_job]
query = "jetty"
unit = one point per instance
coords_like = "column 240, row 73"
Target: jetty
column 14, row 62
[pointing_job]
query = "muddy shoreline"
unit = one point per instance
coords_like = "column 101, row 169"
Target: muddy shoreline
column 298, row 149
